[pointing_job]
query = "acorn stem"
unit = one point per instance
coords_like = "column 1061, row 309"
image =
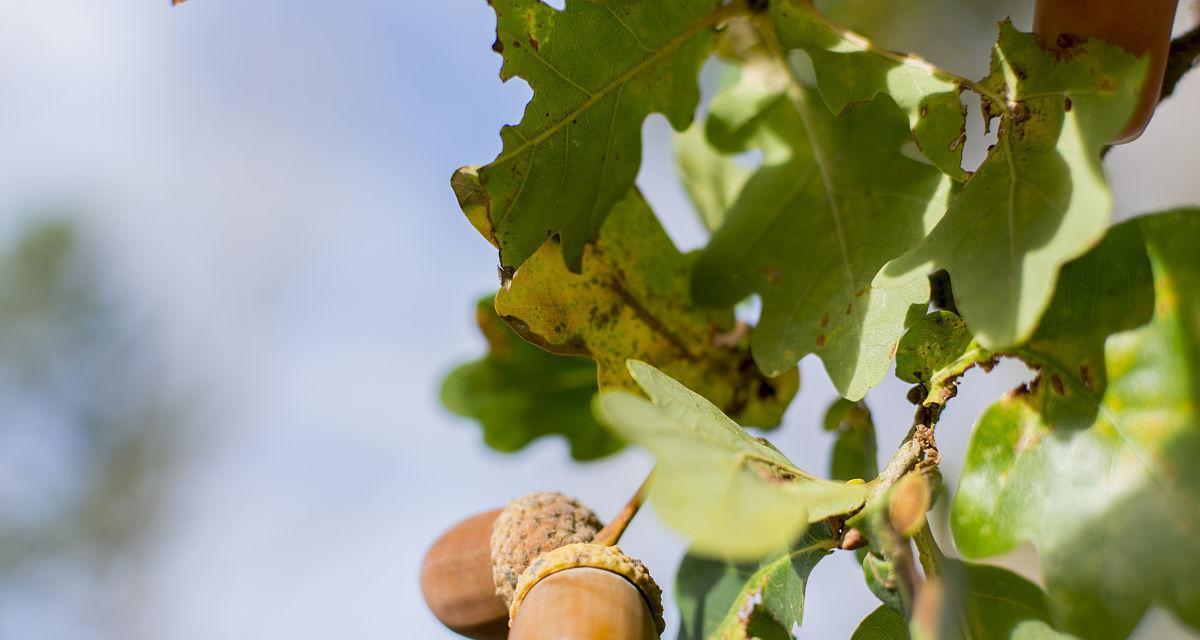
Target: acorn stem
column 612, row 532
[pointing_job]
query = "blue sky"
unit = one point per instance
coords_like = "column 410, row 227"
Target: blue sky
column 270, row 181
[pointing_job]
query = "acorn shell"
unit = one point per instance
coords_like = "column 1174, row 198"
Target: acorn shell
column 456, row 579
column 584, row 604
column 532, row 525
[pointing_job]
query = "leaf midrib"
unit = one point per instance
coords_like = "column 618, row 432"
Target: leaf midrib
column 721, row 13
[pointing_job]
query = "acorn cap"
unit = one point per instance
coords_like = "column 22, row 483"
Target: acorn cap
column 597, row 556
column 532, row 525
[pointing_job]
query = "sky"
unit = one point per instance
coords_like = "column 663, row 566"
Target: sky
column 269, row 181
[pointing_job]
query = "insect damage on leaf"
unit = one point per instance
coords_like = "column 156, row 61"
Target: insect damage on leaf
column 1040, row 198
column 833, row 202
column 630, row 300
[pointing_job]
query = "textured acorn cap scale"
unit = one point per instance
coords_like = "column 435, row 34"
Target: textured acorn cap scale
column 531, row 526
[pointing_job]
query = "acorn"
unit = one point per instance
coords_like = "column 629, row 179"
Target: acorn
column 586, row 591
column 462, row 587
column 456, row 578
column 1140, row 28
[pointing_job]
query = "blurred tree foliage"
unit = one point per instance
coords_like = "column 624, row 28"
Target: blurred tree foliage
column 85, row 438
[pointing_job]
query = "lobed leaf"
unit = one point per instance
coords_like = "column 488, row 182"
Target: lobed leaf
column 1114, row 527
column 736, row 601
column 834, row 201
column 712, row 179
column 884, row 623
column 630, row 300
column 519, row 393
column 969, row 602
column 1040, row 198
column 981, row 602
column 935, row 351
column 597, row 69
column 855, row 452
column 851, row 70
column 730, row 493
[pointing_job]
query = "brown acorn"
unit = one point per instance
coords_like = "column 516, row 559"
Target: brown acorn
column 456, row 578
column 1141, row 28
column 586, row 592
column 469, row 574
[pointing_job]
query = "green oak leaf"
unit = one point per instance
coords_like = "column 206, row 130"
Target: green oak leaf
column 935, row 352
column 981, row 602
column 834, row 200
column 731, row 494
column 1095, row 462
column 1040, row 198
column 855, row 452
column 931, row 345
column 712, row 179
column 519, row 392
column 850, row 69
column 577, row 149
column 884, row 623
column 969, row 602
column 879, row 574
column 726, row 600
column 631, row 300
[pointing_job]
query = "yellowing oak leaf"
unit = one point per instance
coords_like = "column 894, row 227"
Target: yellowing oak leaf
column 631, row 300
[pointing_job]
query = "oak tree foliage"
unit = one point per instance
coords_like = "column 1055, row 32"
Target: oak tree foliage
column 603, row 332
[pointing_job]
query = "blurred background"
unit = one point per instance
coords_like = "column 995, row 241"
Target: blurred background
column 233, row 274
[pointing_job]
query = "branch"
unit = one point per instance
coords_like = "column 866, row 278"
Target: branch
column 611, row 533
column 1182, row 58
column 919, row 450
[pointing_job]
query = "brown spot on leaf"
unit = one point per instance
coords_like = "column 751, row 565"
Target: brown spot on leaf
column 1029, row 439
column 533, row 42
column 820, row 341
column 1085, row 374
column 1067, row 104
column 1056, row 383
column 1022, row 390
column 498, row 46
column 825, row 321
column 1069, row 40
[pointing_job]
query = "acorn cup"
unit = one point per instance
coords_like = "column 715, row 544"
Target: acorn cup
column 469, row 574
column 586, row 592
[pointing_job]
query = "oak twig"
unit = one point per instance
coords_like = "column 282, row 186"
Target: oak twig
column 611, row 533
column 1185, row 50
